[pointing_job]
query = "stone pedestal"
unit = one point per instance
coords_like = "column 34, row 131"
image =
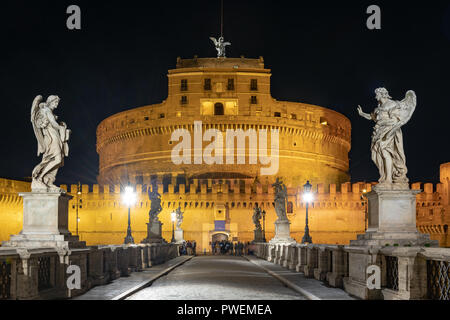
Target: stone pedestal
column 45, row 222
column 258, row 235
column 154, row 233
column 282, row 233
column 179, row 237
column 392, row 223
column 392, row 220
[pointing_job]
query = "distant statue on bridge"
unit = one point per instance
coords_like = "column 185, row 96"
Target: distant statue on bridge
column 280, row 199
column 220, row 46
column 155, row 207
column 257, row 217
column 52, row 138
column 179, row 215
column 387, row 140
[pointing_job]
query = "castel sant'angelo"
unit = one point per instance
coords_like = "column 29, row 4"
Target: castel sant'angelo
column 217, row 179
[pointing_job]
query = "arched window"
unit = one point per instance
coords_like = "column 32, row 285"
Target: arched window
column 290, row 207
column 218, row 109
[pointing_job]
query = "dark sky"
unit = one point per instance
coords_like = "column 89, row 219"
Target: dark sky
column 319, row 52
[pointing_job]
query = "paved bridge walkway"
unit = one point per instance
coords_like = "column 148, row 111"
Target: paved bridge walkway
column 215, row 278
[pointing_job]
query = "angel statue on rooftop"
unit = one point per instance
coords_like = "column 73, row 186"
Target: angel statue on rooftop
column 220, row 46
column 52, row 138
column 387, row 140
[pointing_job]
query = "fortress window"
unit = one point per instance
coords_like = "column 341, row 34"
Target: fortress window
column 290, row 207
column 294, row 116
column 253, row 100
column 207, row 85
column 218, row 109
column 184, row 85
column 184, row 100
column 277, row 114
column 146, row 118
column 230, row 85
column 323, row 121
column 253, row 84
column 162, row 115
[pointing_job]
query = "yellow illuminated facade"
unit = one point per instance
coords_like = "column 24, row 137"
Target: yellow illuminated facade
column 135, row 148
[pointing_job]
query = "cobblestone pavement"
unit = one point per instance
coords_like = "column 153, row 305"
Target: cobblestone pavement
column 217, row 277
column 122, row 284
column 310, row 285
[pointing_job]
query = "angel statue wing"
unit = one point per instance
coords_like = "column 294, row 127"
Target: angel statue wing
column 407, row 107
column 213, row 40
column 227, row 44
column 37, row 121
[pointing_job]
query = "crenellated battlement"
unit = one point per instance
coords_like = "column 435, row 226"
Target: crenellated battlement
column 337, row 212
column 339, row 196
column 246, row 186
column 336, row 196
column 13, row 186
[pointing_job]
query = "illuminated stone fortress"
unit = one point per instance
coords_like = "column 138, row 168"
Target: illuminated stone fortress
column 217, row 199
column 223, row 93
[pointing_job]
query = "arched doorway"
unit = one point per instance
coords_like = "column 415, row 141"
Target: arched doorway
column 219, row 237
column 218, row 109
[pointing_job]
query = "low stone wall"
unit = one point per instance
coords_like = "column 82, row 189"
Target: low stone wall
column 407, row 273
column 41, row 273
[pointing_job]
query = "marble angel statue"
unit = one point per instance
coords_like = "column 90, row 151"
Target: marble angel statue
column 220, row 46
column 280, row 199
column 179, row 216
column 52, row 138
column 387, row 141
column 155, row 204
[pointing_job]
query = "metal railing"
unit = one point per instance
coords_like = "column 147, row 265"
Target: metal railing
column 438, row 279
column 5, row 279
column 391, row 273
column 44, row 281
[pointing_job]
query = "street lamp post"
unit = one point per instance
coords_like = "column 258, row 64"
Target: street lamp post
column 129, row 198
column 264, row 225
column 364, row 198
column 77, row 205
column 307, row 197
column 173, row 218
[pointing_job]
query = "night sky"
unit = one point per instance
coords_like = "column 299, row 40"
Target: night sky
column 319, row 52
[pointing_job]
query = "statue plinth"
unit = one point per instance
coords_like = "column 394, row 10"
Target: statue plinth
column 258, row 235
column 179, row 236
column 154, row 232
column 282, row 232
column 45, row 222
column 392, row 219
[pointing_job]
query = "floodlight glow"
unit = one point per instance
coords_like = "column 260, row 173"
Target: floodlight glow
column 173, row 215
column 307, row 196
column 129, row 197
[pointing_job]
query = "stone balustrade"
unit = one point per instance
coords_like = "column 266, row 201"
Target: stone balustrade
column 41, row 273
column 407, row 273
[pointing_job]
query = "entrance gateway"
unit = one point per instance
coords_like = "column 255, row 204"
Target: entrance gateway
column 219, row 237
